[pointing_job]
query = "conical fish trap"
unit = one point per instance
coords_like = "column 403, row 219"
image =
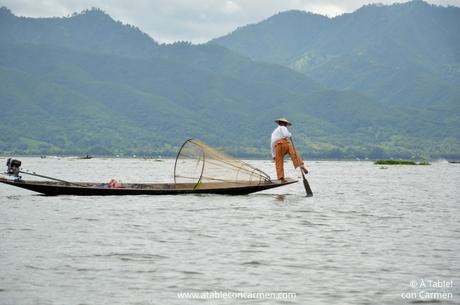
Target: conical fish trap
column 198, row 164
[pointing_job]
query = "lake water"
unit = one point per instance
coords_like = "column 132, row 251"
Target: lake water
column 370, row 235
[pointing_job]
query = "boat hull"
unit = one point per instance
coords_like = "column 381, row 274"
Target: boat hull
column 94, row 189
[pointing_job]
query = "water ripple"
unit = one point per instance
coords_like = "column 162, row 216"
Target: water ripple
column 360, row 240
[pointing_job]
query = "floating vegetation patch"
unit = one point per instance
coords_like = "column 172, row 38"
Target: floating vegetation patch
column 400, row 162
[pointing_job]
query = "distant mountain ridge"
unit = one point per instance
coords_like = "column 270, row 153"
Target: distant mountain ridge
column 89, row 84
column 401, row 54
column 89, row 30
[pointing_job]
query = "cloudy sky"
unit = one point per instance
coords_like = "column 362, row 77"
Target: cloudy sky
column 190, row 20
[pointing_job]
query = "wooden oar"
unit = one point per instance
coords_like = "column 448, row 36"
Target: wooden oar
column 304, row 179
column 51, row 178
column 306, row 185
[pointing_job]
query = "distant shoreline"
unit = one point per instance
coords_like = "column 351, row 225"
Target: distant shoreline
column 77, row 157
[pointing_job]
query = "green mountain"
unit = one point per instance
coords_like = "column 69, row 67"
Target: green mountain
column 88, row 84
column 402, row 54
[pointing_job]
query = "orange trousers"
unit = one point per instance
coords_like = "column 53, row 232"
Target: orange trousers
column 282, row 148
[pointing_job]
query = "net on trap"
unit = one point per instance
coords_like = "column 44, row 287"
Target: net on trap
column 199, row 164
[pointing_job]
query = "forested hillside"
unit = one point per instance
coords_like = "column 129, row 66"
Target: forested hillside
column 89, row 84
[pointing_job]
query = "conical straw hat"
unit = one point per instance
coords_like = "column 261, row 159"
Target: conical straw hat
column 284, row 120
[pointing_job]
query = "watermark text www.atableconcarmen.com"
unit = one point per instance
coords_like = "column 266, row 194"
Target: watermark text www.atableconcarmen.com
column 210, row 295
column 429, row 289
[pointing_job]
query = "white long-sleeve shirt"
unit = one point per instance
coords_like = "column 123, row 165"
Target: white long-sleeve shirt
column 281, row 132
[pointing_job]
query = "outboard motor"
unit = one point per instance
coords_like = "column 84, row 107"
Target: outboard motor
column 13, row 167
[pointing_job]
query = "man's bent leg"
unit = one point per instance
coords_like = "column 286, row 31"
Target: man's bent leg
column 294, row 156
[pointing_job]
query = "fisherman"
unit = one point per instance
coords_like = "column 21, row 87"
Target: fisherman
column 281, row 145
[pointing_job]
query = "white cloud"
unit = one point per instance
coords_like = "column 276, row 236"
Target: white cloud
column 231, row 7
column 197, row 20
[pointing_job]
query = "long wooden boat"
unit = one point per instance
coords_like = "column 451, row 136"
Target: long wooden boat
column 199, row 169
column 54, row 188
